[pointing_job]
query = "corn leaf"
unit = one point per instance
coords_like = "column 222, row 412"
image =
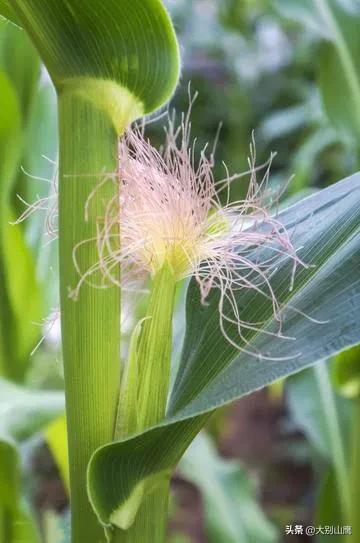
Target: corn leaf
column 325, row 229
column 326, row 226
column 125, row 77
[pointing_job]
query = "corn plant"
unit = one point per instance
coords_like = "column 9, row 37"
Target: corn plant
column 268, row 293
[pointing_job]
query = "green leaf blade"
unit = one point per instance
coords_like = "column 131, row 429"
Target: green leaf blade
column 127, row 47
column 329, row 222
column 326, row 226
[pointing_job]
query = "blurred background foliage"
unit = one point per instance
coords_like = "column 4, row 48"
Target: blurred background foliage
column 289, row 71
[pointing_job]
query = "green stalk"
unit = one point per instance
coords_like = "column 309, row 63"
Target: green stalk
column 91, row 324
column 355, row 474
column 143, row 401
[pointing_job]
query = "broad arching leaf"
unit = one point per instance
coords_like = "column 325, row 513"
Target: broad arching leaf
column 122, row 56
column 326, row 226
